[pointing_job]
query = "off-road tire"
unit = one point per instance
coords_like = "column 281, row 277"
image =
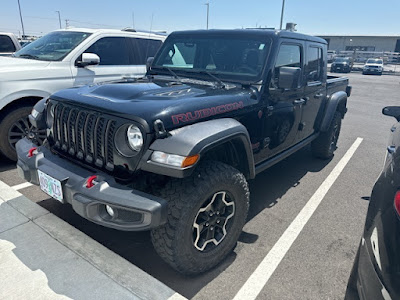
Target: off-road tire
column 9, row 119
column 322, row 146
column 174, row 240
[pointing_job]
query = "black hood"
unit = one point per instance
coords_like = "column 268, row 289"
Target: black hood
column 176, row 105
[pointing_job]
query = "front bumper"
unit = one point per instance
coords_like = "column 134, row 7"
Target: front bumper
column 372, row 71
column 340, row 68
column 134, row 210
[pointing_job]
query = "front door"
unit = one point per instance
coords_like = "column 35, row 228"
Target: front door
column 115, row 62
column 283, row 113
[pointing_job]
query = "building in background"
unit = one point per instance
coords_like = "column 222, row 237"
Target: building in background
column 363, row 43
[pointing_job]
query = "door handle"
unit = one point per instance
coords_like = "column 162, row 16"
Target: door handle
column 391, row 149
column 318, row 96
column 299, row 101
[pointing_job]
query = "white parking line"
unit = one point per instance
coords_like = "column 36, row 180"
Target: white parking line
column 267, row 267
column 22, row 186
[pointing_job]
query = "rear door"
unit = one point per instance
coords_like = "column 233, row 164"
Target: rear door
column 314, row 90
column 116, row 62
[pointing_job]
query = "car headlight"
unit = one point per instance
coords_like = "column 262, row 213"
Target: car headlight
column 135, row 138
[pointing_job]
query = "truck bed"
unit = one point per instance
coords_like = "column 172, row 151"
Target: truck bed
column 336, row 84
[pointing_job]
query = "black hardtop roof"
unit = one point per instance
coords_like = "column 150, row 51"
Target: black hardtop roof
column 275, row 34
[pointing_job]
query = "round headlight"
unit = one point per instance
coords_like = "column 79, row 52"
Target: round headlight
column 135, row 138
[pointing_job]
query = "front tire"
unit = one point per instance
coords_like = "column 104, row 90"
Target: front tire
column 206, row 214
column 15, row 126
column 325, row 145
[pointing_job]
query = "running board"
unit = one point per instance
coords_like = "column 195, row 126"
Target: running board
column 272, row 161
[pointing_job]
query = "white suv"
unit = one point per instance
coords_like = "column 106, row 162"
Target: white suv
column 64, row 59
column 373, row 66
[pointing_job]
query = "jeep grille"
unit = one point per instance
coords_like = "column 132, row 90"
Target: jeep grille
column 85, row 135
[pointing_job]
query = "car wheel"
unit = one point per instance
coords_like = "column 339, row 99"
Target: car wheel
column 16, row 125
column 206, row 214
column 325, row 145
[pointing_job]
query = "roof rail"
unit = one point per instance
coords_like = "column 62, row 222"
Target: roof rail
column 129, row 29
column 161, row 32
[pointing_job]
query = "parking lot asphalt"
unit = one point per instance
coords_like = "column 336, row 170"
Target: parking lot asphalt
column 318, row 263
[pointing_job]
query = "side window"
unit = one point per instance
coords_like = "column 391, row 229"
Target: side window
column 6, row 44
column 288, row 56
column 143, row 49
column 314, row 64
column 111, row 50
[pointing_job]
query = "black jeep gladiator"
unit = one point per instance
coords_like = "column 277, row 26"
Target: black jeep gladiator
column 172, row 152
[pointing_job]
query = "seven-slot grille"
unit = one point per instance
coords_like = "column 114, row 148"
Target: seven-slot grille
column 84, row 135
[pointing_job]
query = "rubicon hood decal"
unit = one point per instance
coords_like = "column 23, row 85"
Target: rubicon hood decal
column 206, row 112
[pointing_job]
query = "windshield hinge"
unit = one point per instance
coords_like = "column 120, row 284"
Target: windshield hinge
column 159, row 129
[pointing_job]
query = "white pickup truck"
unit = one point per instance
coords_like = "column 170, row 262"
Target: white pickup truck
column 8, row 44
column 64, row 59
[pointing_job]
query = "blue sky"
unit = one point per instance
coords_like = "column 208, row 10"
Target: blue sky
column 351, row 17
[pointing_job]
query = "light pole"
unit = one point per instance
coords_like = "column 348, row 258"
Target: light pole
column 22, row 23
column 283, row 8
column 59, row 17
column 208, row 11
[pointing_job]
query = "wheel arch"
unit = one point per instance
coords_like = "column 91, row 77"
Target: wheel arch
column 225, row 140
column 19, row 102
column 336, row 102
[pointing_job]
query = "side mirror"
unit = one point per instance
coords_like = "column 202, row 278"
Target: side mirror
column 289, row 78
column 392, row 111
column 149, row 63
column 88, row 59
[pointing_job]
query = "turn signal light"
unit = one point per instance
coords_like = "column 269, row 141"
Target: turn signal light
column 33, row 151
column 397, row 202
column 91, row 181
column 190, row 160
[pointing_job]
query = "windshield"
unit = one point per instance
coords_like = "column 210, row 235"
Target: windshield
column 53, row 46
column 342, row 59
column 229, row 58
column 374, row 61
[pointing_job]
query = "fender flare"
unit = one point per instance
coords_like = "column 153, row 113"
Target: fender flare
column 335, row 100
column 198, row 139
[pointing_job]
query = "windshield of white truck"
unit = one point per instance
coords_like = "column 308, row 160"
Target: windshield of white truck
column 228, row 58
column 53, row 46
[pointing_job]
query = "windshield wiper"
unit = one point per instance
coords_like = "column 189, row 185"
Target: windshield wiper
column 219, row 81
column 174, row 75
column 29, row 56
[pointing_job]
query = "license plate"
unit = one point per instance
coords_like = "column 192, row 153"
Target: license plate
column 50, row 186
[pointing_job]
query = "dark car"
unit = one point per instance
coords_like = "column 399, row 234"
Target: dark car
column 342, row 64
column 376, row 270
column 172, row 152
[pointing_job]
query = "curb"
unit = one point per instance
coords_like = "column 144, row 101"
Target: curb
column 118, row 269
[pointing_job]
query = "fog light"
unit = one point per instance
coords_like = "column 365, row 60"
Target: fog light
column 109, row 210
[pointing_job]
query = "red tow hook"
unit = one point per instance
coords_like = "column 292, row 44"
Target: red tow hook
column 33, row 151
column 91, row 181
